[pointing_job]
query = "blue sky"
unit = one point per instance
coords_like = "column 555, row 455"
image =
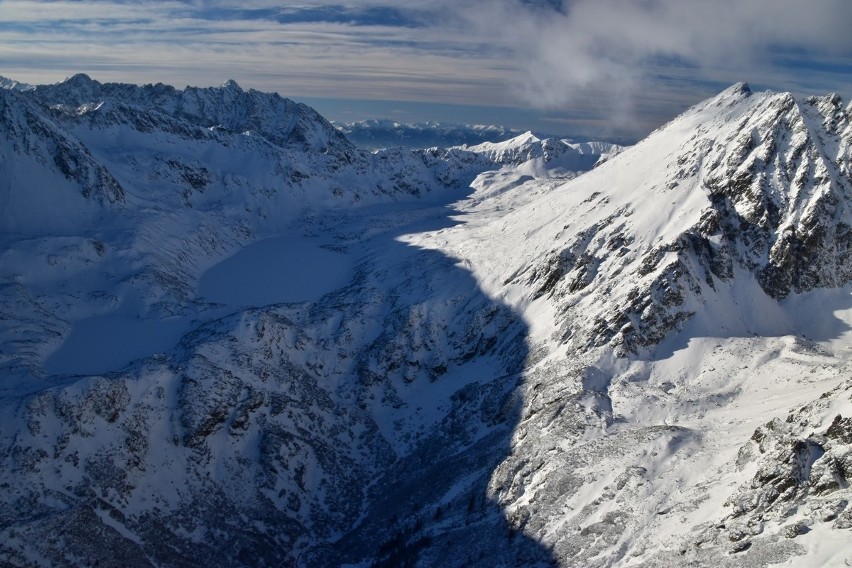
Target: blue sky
column 586, row 67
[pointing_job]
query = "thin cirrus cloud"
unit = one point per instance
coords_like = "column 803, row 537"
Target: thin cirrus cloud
column 622, row 66
column 312, row 49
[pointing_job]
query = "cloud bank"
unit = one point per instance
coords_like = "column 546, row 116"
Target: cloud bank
column 627, row 54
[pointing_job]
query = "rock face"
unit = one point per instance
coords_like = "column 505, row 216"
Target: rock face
column 755, row 184
column 227, row 108
column 644, row 365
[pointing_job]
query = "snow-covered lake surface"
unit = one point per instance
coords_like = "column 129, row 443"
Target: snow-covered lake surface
column 109, row 342
column 276, row 270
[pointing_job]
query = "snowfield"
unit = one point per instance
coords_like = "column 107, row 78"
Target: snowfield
column 229, row 337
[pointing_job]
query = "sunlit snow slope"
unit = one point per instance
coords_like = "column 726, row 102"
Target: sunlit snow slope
column 690, row 306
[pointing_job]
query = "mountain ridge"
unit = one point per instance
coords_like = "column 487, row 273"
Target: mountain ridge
column 730, row 214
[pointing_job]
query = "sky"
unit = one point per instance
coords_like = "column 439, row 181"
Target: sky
column 605, row 68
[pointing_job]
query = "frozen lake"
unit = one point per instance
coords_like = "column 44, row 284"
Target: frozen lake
column 276, row 270
column 107, row 343
column 272, row 271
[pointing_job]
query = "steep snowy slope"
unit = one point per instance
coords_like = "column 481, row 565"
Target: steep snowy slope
column 643, row 366
column 681, row 296
column 745, row 197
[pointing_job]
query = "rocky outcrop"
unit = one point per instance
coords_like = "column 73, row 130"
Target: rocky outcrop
column 766, row 190
column 31, row 132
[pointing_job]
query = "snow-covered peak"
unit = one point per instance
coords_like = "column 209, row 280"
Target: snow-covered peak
column 545, row 157
column 13, row 85
column 231, row 85
column 79, row 80
column 737, row 89
column 512, row 145
column 79, row 87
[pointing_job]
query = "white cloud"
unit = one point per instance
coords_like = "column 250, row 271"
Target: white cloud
column 621, row 48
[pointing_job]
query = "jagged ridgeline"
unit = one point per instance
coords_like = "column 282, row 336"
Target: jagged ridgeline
column 232, row 338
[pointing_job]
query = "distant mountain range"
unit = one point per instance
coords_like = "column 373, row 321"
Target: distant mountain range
column 375, row 134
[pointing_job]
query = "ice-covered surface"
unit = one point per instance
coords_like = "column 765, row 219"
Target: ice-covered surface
column 105, row 343
column 277, row 270
column 470, row 356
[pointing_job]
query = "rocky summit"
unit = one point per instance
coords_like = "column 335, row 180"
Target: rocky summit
column 230, row 337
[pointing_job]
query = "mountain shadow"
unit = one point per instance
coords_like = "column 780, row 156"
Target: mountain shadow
column 362, row 427
column 447, row 361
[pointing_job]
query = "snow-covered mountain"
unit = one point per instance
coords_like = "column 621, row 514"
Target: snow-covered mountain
column 14, row 85
column 229, row 337
column 690, row 303
column 377, row 134
column 374, row 134
column 546, row 157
